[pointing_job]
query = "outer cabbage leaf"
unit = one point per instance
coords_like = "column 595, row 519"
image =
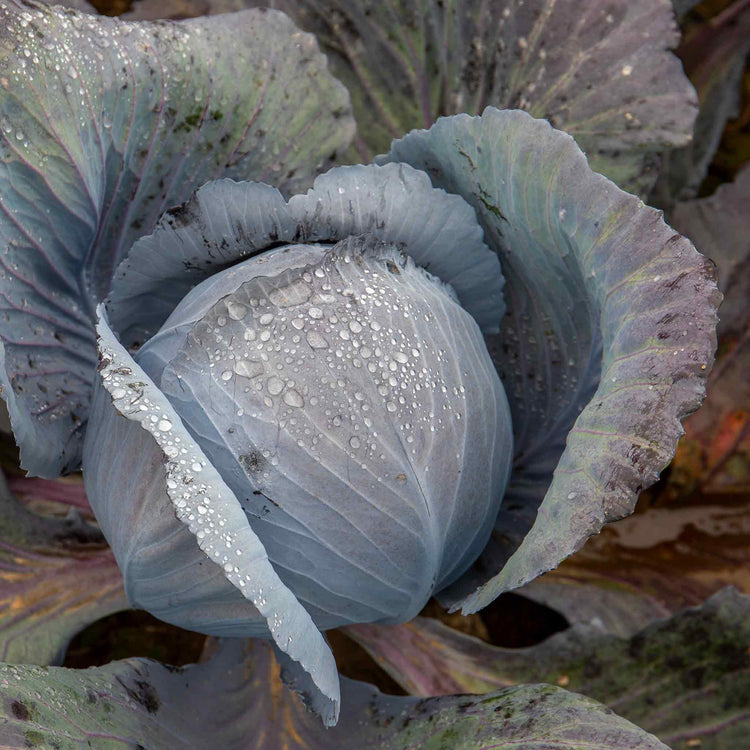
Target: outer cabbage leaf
column 103, row 125
column 235, row 701
column 57, row 576
column 682, row 678
column 619, row 581
column 587, row 267
column 602, row 72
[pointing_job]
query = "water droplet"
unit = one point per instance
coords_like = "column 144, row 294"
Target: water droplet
column 315, row 312
column 355, row 442
column 226, row 375
column 266, row 319
column 293, row 398
column 275, row 385
column 291, row 295
column 236, row 310
column 390, row 406
column 164, row 425
column 248, row 368
column 316, row 340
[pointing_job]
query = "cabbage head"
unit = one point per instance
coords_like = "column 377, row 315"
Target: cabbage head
column 436, row 375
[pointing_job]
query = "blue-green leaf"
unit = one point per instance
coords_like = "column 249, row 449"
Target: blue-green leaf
column 594, row 279
column 103, row 125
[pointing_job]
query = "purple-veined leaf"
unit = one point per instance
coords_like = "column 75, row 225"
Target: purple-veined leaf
column 684, row 678
column 602, row 72
column 104, row 125
column 57, row 576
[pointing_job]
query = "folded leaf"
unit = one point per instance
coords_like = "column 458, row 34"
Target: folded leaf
column 234, row 701
column 225, row 222
column 104, row 125
column 186, row 491
column 594, row 279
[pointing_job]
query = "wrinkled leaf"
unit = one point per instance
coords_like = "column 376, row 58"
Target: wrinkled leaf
column 593, row 277
column 57, row 576
column 236, row 701
column 104, row 125
column 683, row 678
column 714, row 58
column 225, row 222
column 602, row 72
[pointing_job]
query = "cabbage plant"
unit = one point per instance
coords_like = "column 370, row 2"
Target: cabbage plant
column 437, row 374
